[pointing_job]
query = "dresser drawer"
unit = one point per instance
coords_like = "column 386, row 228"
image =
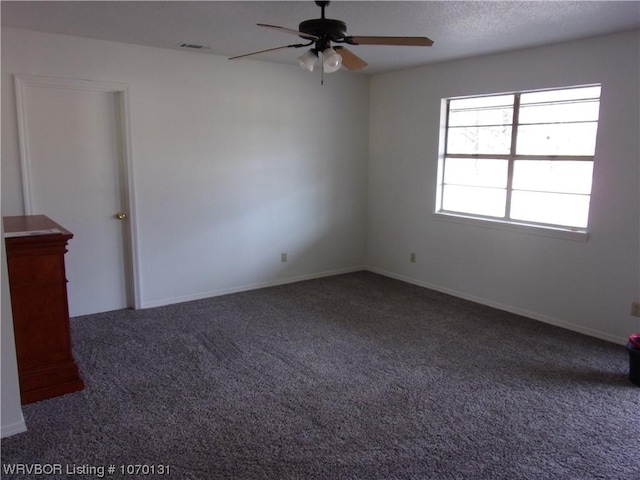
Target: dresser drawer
column 36, row 269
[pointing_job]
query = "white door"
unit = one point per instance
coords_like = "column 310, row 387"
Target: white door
column 74, row 165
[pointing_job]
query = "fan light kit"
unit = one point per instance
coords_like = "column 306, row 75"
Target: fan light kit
column 322, row 32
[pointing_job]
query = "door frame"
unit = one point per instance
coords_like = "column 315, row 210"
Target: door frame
column 125, row 167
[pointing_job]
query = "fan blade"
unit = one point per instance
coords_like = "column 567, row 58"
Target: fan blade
column 406, row 41
column 308, row 36
column 297, row 45
column 350, row 60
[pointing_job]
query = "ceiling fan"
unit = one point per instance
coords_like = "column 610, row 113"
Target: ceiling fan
column 322, row 32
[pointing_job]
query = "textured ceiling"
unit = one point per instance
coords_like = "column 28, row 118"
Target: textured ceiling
column 459, row 28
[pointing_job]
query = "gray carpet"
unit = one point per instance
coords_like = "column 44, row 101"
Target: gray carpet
column 351, row 377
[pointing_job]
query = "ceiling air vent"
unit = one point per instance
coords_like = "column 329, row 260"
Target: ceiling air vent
column 194, row 46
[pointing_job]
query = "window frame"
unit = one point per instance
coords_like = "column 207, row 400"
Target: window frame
column 506, row 221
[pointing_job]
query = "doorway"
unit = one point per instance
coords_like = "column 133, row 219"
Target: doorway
column 76, row 169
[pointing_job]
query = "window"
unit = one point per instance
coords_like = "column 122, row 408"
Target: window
column 524, row 157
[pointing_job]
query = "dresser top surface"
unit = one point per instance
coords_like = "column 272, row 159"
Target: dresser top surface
column 32, row 225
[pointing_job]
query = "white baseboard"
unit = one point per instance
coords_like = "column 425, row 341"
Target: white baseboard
column 507, row 308
column 490, row 303
column 248, row 287
column 13, row 429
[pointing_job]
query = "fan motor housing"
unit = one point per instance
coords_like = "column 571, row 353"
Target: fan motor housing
column 325, row 28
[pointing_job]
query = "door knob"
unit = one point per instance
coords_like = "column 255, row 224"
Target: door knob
column 121, row 215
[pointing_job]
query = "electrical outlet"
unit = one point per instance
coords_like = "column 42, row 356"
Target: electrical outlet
column 283, row 257
column 635, row 309
column 412, row 257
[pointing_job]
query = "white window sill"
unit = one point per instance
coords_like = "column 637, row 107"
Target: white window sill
column 559, row 232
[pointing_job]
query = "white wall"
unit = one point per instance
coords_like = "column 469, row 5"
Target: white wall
column 234, row 162
column 588, row 286
column 12, row 419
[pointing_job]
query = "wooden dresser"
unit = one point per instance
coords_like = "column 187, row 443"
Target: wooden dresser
column 35, row 258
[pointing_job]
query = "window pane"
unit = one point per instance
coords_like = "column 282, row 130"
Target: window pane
column 481, row 102
column 553, row 176
column 557, row 139
column 546, row 177
column 476, row 172
column 486, row 140
column 578, row 93
column 560, row 112
column 551, row 208
column 476, row 200
column 489, row 116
